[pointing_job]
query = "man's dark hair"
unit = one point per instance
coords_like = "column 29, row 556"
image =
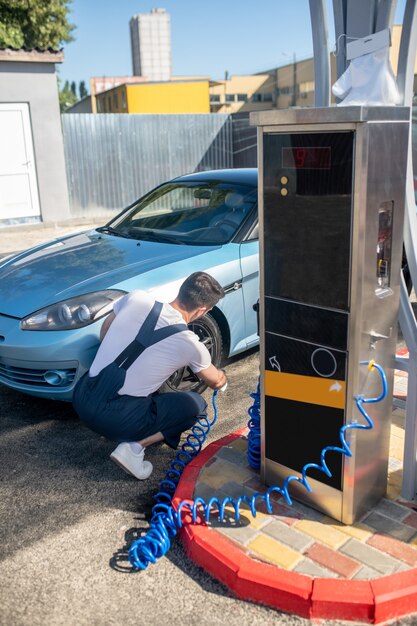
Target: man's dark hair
column 200, row 289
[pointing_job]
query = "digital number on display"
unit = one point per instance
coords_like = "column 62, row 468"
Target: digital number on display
column 310, row 158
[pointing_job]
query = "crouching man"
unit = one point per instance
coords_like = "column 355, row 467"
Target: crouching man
column 143, row 342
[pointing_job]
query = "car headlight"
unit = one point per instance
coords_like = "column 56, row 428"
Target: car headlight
column 74, row 312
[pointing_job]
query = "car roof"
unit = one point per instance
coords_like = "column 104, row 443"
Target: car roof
column 242, row 176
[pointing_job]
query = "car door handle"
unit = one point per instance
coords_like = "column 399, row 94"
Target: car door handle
column 233, row 287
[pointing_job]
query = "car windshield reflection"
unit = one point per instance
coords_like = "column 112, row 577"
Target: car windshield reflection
column 188, row 213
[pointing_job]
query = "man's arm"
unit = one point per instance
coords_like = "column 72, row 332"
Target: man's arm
column 213, row 377
column 106, row 325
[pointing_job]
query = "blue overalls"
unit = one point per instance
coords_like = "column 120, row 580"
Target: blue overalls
column 130, row 418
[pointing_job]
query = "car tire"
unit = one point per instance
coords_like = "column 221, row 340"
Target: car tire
column 209, row 333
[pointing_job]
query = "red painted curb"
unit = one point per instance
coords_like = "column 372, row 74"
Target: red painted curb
column 372, row 601
column 342, row 599
column 205, row 455
column 216, row 555
column 185, row 488
column 275, row 587
column 395, row 596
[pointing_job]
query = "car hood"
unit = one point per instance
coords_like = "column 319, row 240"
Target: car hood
column 81, row 263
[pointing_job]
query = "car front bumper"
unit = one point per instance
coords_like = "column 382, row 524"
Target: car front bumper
column 46, row 364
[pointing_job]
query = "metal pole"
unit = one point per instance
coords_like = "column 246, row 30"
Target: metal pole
column 339, row 13
column 320, row 33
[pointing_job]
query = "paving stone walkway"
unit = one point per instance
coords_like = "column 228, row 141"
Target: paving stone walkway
column 300, row 539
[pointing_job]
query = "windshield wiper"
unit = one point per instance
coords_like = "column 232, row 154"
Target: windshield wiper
column 112, row 231
column 153, row 235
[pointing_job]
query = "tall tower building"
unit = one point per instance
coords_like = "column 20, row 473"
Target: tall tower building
column 150, row 36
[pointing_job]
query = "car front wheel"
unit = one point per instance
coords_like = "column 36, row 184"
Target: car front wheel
column 208, row 331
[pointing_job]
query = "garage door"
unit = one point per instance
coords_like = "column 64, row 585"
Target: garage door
column 18, row 185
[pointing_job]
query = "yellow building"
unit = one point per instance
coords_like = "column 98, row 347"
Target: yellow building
column 278, row 88
column 190, row 96
column 295, row 83
column 395, row 51
column 242, row 93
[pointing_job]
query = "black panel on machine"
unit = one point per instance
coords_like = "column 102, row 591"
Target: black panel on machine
column 304, row 359
column 321, row 326
column 307, row 217
column 296, row 433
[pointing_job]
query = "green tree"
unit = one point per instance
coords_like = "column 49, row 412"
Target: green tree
column 39, row 24
column 82, row 89
column 66, row 96
column 74, row 88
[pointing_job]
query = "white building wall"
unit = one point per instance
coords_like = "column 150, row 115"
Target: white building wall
column 150, row 35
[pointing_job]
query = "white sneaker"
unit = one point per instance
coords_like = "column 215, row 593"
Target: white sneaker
column 130, row 462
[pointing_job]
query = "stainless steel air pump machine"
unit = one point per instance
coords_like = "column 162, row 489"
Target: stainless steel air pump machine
column 331, row 206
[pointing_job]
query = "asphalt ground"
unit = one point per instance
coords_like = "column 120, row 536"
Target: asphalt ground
column 68, row 515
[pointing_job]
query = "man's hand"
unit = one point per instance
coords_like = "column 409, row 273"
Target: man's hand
column 213, row 377
column 224, row 387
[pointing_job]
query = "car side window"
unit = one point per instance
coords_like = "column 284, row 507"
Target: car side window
column 254, row 233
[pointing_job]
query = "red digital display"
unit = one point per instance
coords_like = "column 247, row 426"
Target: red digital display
column 311, row 158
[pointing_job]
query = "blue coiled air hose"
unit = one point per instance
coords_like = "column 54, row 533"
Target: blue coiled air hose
column 165, row 521
column 254, row 425
column 163, row 527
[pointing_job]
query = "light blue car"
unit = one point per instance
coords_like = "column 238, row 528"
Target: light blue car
column 54, row 298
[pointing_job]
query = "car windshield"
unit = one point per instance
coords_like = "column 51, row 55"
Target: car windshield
column 197, row 213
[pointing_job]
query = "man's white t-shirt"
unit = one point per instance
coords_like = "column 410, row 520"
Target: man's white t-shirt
column 157, row 362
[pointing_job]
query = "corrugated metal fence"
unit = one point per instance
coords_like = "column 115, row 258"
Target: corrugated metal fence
column 244, row 141
column 113, row 159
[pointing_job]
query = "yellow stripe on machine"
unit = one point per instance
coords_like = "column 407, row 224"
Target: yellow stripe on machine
column 310, row 389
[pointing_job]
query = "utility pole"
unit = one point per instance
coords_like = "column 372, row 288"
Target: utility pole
column 294, row 81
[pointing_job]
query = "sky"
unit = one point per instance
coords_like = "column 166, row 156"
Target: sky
column 208, row 37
